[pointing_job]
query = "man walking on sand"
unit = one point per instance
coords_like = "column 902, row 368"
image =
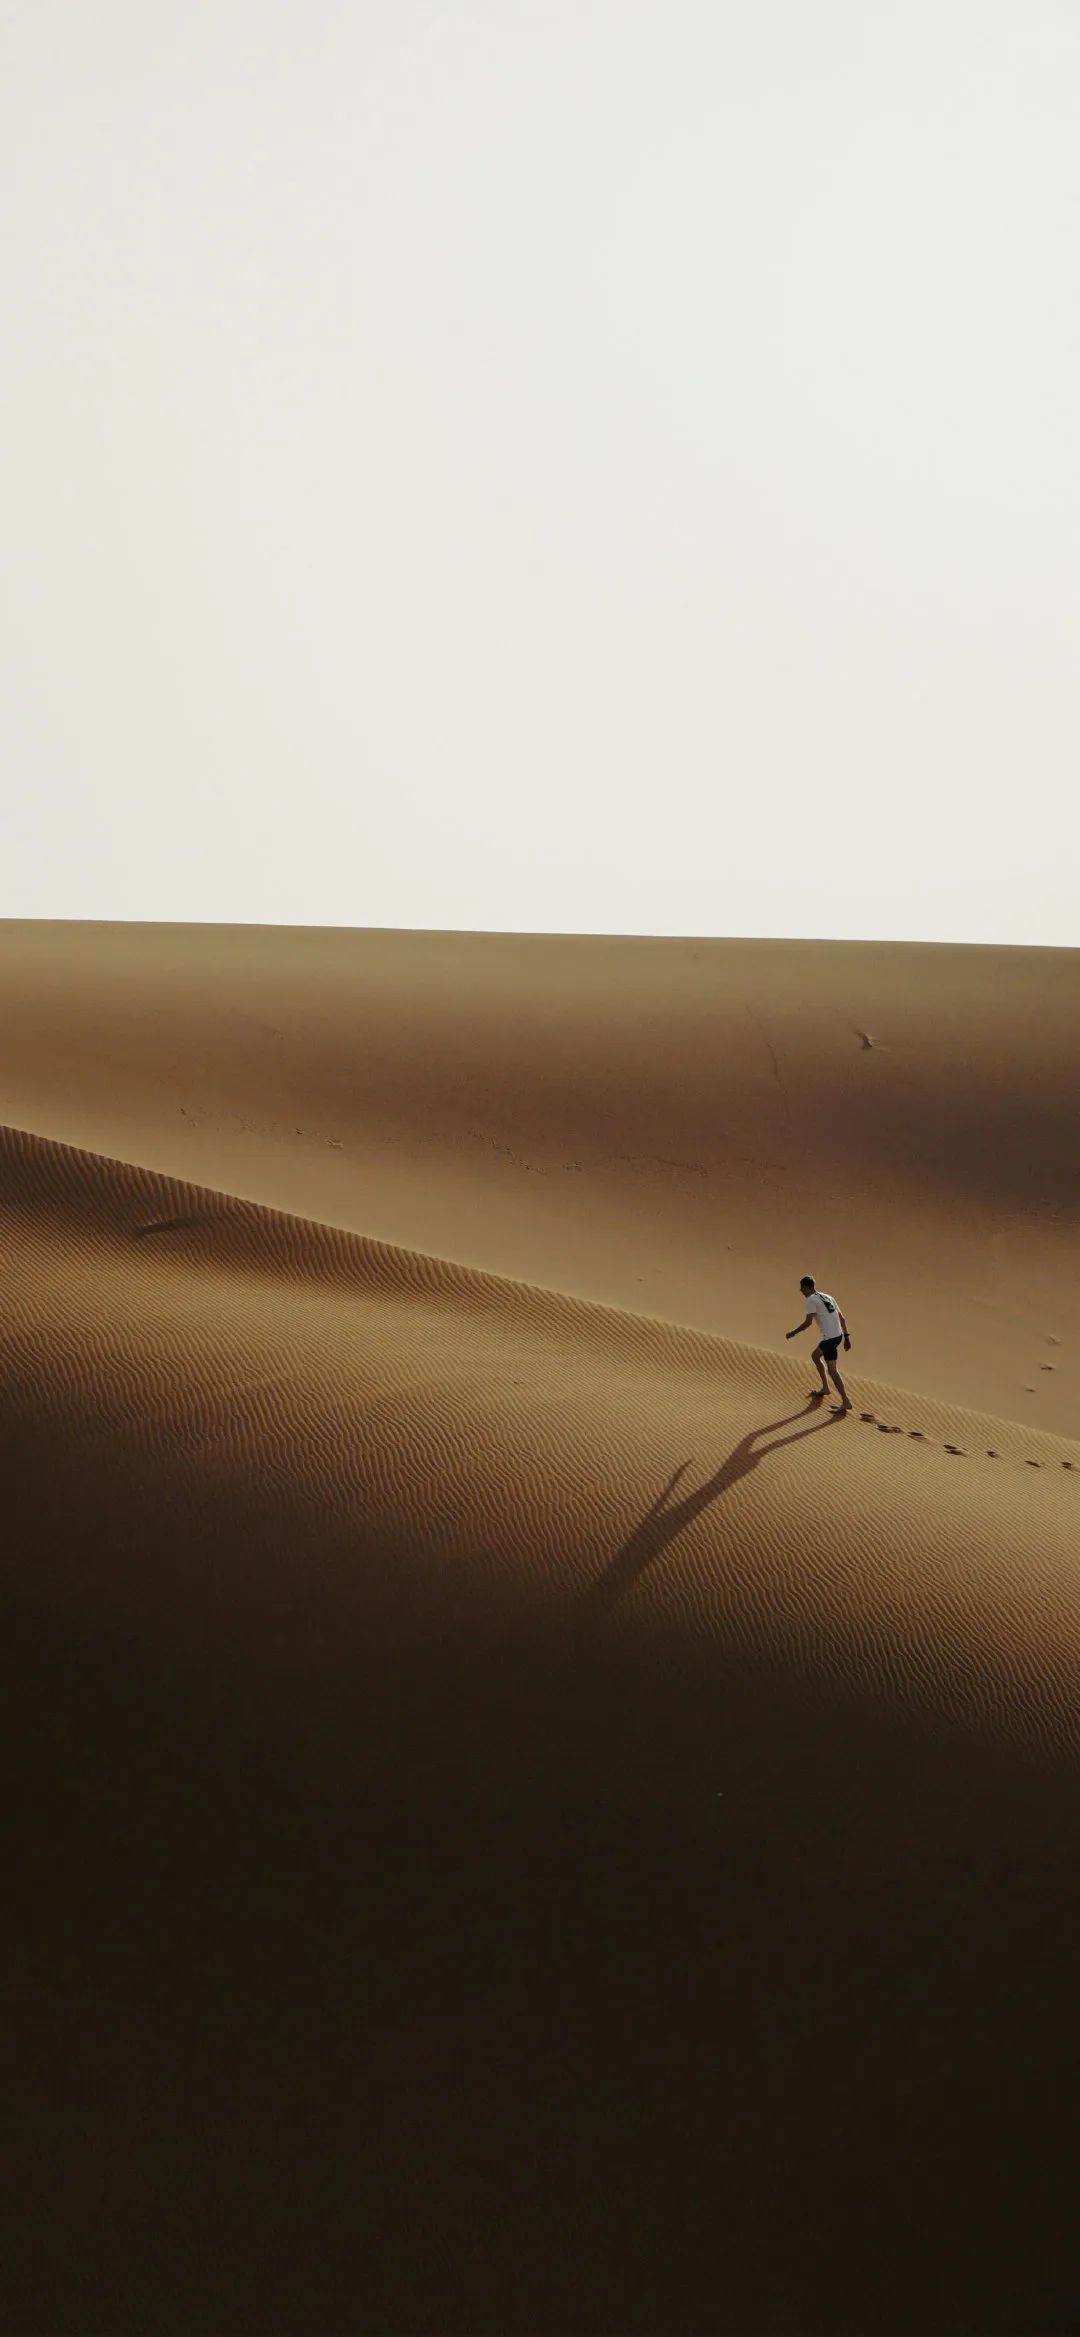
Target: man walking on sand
column 823, row 1314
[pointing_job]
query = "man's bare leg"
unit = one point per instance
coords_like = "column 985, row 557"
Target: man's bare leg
column 834, row 1375
column 823, row 1390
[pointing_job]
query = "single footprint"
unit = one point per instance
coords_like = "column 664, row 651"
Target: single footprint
column 1051, row 1341
column 919, row 1435
column 956, row 1448
column 1047, row 1367
column 1068, row 1464
column 991, row 1456
column 866, row 1415
column 1033, row 1464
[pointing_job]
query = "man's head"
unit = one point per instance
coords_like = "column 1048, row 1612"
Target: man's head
column 806, row 1284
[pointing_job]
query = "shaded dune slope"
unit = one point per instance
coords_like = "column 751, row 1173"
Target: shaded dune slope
column 521, row 1825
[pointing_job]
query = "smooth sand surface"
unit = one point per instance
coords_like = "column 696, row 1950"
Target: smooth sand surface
column 519, row 1822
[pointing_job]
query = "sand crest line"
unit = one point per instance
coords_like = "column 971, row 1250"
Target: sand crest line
column 183, row 1222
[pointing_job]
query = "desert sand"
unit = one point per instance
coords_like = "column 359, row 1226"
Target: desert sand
column 518, row 1822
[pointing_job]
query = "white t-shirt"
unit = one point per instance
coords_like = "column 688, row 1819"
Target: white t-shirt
column 827, row 1312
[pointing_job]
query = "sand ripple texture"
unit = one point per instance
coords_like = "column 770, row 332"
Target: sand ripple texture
column 618, row 1471
column 678, row 1129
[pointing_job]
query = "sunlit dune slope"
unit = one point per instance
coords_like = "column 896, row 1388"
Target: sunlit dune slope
column 527, row 1439
column 679, row 1128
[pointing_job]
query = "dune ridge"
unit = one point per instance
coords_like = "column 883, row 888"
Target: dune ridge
column 676, row 1128
column 384, row 1364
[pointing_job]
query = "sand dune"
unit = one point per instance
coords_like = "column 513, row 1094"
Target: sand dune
column 679, row 1128
column 521, row 1823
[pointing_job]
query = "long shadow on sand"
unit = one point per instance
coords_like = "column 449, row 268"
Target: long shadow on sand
column 660, row 1525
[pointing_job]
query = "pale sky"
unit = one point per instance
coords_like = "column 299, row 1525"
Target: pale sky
column 564, row 465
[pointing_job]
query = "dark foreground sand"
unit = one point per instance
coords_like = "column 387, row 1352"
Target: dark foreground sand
column 516, row 1823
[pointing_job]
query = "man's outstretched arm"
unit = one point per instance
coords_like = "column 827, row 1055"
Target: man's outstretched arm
column 801, row 1327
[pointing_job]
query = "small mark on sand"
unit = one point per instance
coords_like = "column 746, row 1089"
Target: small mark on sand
column 1033, row 1464
column 919, row 1435
column 164, row 1225
column 958, row 1449
column 1048, row 1367
column 866, row 1416
column 773, row 1057
column 866, row 1040
column 990, row 1454
column 336, row 1145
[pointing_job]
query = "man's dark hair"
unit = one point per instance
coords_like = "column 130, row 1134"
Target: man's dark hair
column 806, row 1282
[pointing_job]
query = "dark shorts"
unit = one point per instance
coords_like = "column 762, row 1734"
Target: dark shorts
column 830, row 1349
